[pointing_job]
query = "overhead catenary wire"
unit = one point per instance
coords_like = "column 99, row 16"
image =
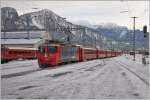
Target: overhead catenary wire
column 144, row 11
column 129, row 10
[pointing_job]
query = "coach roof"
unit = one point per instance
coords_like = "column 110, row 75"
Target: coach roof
column 20, row 41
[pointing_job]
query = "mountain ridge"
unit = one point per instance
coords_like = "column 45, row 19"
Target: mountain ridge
column 47, row 18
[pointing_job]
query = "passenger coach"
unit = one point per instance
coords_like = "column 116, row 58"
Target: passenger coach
column 10, row 53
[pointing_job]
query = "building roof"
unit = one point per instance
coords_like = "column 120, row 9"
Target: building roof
column 21, row 48
column 20, row 41
column 22, row 34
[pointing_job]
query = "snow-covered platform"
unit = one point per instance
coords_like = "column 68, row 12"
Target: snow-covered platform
column 111, row 78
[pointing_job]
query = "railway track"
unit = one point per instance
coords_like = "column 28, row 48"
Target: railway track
column 135, row 67
column 19, row 73
column 86, row 66
column 133, row 72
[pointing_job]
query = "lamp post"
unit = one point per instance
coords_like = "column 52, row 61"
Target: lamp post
column 133, row 48
column 5, row 27
column 134, row 37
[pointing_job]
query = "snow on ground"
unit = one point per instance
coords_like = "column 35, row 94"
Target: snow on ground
column 111, row 78
column 138, row 58
column 13, row 68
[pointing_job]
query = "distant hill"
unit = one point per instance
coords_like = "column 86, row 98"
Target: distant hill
column 9, row 18
column 118, row 33
column 122, row 33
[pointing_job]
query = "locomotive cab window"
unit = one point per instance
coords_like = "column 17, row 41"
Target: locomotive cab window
column 52, row 49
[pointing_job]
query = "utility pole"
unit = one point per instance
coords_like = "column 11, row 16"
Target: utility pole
column 5, row 27
column 83, row 36
column 28, row 26
column 95, row 42
column 134, row 37
column 68, row 35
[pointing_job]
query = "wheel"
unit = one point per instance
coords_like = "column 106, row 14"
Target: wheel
column 4, row 60
column 43, row 66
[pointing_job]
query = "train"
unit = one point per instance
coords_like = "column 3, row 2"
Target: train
column 52, row 54
column 55, row 53
column 11, row 53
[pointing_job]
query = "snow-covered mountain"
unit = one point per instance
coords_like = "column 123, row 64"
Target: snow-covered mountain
column 99, row 35
column 118, row 33
column 10, row 18
column 122, row 33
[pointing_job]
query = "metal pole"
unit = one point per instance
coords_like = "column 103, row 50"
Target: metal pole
column 27, row 19
column 83, row 37
column 134, row 37
column 68, row 35
column 95, row 42
column 5, row 27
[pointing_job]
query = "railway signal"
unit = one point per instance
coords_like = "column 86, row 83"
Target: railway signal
column 145, row 31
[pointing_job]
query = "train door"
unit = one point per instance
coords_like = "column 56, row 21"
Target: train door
column 106, row 53
column 97, row 53
column 48, row 55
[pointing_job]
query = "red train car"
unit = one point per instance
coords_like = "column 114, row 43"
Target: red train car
column 89, row 53
column 113, row 53
column 9, row 53
column 108, row 53
column 101, row 53
column 119, row 53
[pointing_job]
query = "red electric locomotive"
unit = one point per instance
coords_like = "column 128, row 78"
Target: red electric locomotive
column 54, row 54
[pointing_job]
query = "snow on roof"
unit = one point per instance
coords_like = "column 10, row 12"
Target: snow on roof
column 21, row 48
column 20, row 32
column 89, row 48
column 20, row 41
column 16, row 35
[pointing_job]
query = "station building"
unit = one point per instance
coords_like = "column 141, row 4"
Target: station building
column 22, row 39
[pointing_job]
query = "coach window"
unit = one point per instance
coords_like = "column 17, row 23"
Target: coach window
column 9, row 52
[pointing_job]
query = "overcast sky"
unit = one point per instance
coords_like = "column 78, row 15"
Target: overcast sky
column 93, row 12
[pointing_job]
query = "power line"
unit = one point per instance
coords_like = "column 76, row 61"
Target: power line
column 145, row 10
column 129, row 10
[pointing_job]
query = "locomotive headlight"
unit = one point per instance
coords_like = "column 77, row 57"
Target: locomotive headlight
column 46, row 55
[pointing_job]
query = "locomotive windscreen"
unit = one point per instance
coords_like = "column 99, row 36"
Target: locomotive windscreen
column 52, row 49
